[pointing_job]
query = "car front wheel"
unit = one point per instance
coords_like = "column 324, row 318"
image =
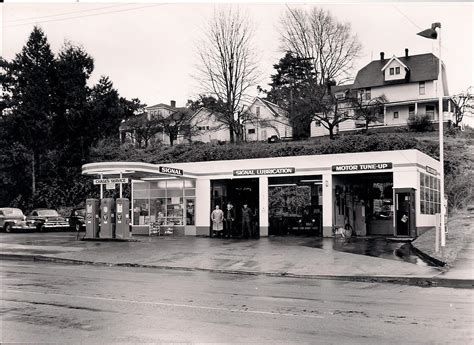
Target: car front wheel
column 40, row 228
column 8, row 228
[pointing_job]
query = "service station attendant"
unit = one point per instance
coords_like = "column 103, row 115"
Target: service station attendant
column 386, row 193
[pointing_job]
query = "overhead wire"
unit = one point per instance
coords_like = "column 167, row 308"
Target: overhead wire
column 84, row 16
column 63, row 14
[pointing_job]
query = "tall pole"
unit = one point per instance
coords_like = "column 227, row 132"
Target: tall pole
column 441, row 143
column 120, row 184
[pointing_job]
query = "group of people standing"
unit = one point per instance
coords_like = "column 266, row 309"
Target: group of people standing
column 224, row 221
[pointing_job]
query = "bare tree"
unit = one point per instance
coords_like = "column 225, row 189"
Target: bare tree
column 332, row 111
column 142, row 129
column 368, row 110
column 463, row 105
column 227, row 66
column 317, row 35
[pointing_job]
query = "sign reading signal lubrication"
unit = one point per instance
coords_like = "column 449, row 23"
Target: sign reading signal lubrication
column 110, row 180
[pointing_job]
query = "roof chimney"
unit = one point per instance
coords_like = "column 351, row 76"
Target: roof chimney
column 406, row 52
column 173, row 104
column 382, row 54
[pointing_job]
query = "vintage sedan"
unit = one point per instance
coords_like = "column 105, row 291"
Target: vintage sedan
column 47, row 219
column 14, row 219
column 77, row 220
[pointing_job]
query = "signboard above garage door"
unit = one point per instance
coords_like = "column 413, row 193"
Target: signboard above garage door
column 362, row 167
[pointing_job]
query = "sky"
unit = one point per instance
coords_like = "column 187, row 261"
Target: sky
column 148, row 49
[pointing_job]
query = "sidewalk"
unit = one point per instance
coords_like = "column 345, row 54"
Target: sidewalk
column 283, row 256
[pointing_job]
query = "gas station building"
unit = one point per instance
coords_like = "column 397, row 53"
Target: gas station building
column 385, row 193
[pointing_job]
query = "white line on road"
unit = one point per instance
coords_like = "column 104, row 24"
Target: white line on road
column 167, row 304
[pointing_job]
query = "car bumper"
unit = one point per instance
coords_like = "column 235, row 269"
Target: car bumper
column 23, row 227
column 56, row 226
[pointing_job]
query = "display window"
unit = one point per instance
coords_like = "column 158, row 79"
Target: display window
column 166, row 202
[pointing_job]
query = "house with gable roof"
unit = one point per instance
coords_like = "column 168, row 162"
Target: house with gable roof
column 410, row 85
column 200, row 125
column 265, row 120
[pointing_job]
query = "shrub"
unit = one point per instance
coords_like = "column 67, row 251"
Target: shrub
column 420, row 123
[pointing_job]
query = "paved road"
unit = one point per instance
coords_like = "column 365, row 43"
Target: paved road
column 44, row 302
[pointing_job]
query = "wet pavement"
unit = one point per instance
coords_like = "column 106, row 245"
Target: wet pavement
column 291, row 256
column 85, row 304
column 376, row 247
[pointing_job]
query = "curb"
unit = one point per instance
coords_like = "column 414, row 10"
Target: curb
column 402, row 280
column 429, row 257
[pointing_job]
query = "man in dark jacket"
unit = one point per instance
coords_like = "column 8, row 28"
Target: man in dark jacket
column 246, row 221
column 229, row 217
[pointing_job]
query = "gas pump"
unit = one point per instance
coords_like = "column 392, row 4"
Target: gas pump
column 122, row 220
column 107, row 210
column 92, row 218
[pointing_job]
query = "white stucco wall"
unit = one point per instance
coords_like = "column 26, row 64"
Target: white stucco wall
column 217, row 131
column 404, row 92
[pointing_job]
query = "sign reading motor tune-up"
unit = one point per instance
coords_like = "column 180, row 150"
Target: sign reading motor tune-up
column 171, row 171
column 362, row 167
column 271, row 171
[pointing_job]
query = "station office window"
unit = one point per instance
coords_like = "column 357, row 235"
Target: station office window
column 430, row 201
column 168, row 202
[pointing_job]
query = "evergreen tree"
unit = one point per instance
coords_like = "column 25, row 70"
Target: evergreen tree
column 291, row 86
column 74, row 67
column 32, row 76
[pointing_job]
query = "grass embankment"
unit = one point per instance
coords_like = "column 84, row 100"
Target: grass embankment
column 460, row 232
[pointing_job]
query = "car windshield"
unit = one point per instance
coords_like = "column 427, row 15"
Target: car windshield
column 47, row 213
column 81, row 213
column 12, row 212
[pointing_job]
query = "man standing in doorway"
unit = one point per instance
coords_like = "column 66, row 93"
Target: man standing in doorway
column 246, row 221
column 217, row 217
column 229, row 220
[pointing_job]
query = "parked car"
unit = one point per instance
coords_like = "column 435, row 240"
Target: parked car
column 77, row 219
column 14, row 219
column 47, row 219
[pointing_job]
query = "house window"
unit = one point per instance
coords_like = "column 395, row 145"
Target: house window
column 257, row 111
column 430, row 111
column 339, row 95
column 397, row 70
column 317, row 123
column 251, row 131
column 392, row 71
column 395, row 114
column 411, row 110
column 368, row 94
column 422, row 87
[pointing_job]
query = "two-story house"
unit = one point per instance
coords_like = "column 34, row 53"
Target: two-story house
column 206, row 127
column 409, row 84
column 200, row 125
column 265, row 119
